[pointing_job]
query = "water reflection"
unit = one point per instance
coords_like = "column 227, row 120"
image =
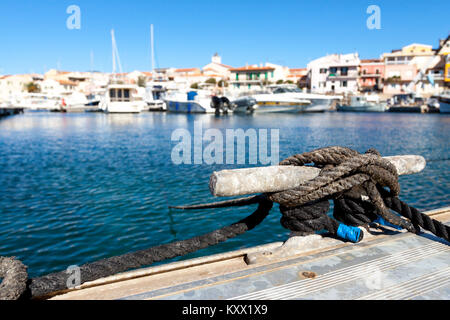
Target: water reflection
column 85, row 186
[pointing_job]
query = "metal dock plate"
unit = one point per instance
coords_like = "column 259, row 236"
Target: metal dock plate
column 398, row 265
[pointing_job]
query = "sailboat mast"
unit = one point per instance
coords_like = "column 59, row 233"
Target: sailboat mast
column 113, row 53
column 152, row 50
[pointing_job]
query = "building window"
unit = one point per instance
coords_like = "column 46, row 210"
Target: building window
column 344, row 71
column 333, row 71
column 377, row 71
column 322, row 70
column 344, row 83
column 237, row 76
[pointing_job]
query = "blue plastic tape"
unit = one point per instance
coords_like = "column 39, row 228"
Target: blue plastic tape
column 349, row 233
column 383, row 222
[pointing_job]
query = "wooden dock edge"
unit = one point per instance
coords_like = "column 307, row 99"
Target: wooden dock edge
column 187, row 270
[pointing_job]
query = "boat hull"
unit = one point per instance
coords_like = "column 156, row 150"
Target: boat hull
column 188, row 107
column 123, row 108
column 444, row 105
column 376, row 108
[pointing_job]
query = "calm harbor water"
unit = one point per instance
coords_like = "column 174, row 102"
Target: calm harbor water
column 79, row 187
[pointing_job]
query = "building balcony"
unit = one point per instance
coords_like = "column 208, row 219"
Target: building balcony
column 340, row 76
column 370, row 75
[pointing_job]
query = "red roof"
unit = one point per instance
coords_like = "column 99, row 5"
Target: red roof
column 250, row 68
column 186, row 69
column 370, row 61
column 224, row 65
column 297, row 69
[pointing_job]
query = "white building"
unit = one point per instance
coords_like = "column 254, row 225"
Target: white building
column 11, row 86
column 336, row 73
column 216, row 69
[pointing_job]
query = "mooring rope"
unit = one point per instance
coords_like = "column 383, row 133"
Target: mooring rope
column 355, row 182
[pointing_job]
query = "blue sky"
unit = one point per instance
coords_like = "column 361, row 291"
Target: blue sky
column 34, row 36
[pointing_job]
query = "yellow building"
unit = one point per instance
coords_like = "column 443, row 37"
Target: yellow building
column 447, row 68
column 444, row 50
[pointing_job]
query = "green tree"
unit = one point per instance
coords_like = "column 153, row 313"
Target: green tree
column 222, row 83
column 279, row 82
column 211, row 81
column 142, row 82
column 289, row 82
column 32, row 87
column 194, row 85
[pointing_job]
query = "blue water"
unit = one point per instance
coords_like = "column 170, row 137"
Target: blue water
column 79, row 187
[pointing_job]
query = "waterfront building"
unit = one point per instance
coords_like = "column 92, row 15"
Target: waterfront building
column 216, row 69
column 136, row 75
column 405, row 69
column 185, row 77
column 54, row 87
column 251, row 77
column 444, row 52
column 335, row 73
column 12, row 85
column 57, row 75
column 371, row 75
column 447, row 70
column 299, row 76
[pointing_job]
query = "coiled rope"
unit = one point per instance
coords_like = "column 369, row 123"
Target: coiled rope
column 355, row 182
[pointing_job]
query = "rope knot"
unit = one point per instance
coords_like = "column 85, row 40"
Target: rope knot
column 352, row 180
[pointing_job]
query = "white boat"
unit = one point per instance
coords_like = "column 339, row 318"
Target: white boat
column 269, row 103
column 121, row 98
column 318, row 102
column 38, row 102
column 288, row 98
column 192, row 102
column 154, row 97
column 73, row 102
column 370, row 103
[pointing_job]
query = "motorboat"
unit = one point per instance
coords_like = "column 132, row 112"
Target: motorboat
column 154, row 97
column 370, row 103
column 121, row 98
column 73, row 102
column 37, row 102
column 407, row 102
column 289, row 98
column 444, row 102
column 197, row 102
column 318, row 102
column 269, row 103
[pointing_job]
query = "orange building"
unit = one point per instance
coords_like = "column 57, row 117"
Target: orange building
column 371, row 74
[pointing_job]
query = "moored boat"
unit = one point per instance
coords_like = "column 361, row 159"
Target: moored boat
column 196, row 102
column 120, row 98
column 268, row 103
column 362, row 104
column 444, row 102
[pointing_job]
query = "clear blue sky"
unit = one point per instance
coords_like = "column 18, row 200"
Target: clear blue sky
column 34, row 37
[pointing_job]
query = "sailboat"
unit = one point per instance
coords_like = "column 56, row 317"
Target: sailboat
column 154, row 91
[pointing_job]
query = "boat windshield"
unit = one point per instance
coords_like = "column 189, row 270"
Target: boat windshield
column 286, row 90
